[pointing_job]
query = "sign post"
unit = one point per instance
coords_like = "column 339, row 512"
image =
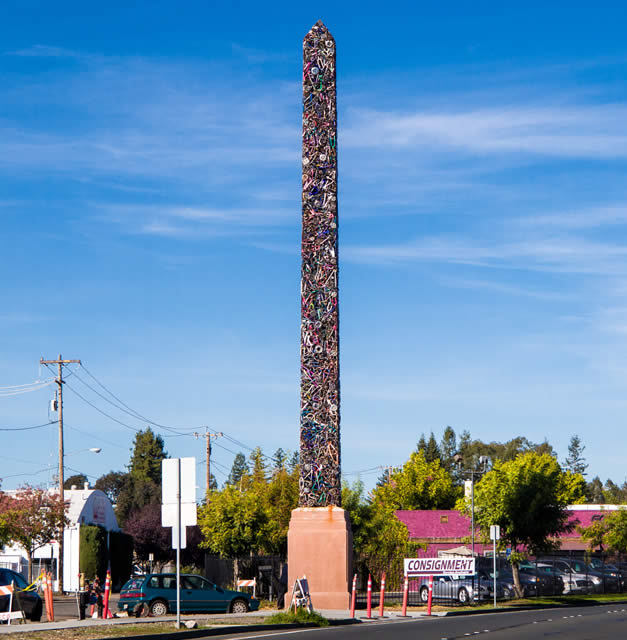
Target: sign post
column 178, row 509
column 495, row 534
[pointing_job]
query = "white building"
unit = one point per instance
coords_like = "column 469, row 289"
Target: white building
column 86, row 507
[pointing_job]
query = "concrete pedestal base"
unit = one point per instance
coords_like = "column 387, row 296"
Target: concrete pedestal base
column 320, row 546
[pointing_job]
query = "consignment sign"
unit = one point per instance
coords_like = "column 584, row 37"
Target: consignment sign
column 439, row 567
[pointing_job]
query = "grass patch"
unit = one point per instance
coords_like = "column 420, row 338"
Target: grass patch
column 95, row 632
column 302, row 616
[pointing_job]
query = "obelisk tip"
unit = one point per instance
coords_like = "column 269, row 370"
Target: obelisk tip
column 319, row 29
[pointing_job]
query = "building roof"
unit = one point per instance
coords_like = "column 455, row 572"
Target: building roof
column 86, row 506
column 435, row 524
column 451, row 524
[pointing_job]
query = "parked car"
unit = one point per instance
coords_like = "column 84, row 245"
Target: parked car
column 31, row 602
column 609, row 573
column 461, row 588
column 570, row 582
column 528, row 583
column 579, row 570
column 157, row 591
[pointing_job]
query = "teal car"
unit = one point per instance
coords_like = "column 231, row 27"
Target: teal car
column 157, row 592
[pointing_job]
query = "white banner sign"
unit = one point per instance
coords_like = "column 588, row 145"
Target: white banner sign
column 439, row 567
column 14, row 615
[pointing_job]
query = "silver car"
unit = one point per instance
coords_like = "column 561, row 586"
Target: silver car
column 463, row 589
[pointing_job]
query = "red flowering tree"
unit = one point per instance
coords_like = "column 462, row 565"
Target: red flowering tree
column 33, row 518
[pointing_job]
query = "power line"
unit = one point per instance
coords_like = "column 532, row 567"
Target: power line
column 18, row 392
column 124, row 424
column 95, row 436
column 127, row 409
column 104, row 413
column 27, row 384
column 37, row 426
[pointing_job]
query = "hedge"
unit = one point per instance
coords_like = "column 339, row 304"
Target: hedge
column 94, row 557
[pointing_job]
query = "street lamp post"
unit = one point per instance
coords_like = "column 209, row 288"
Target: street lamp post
column 62, row 456
column 483, row 463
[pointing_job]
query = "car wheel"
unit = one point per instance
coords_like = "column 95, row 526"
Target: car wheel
column 159, row 608
column 424, row 594
column 35, row 616
column 239, row 606
column 462, row 595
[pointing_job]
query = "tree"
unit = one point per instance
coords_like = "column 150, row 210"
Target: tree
column 280, row 497
column 148, row 534
column 594, row 491
column 143, row 483
column 238, row 470
column 279, row 460
column 527, row 497
column 380, row 539
column 422, row 443
column 111, row 484
column 33, row 518
column 432, row 452
column 613, row 493
column 147, row 453
column 419, row 484
column 575, row 462
column 233, row 523
column 77, row 480
column 259, row 466
column 611, row 532
column 448, row 449
column 294, row 462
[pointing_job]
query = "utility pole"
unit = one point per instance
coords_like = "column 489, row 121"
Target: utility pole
column 207, row 436
column 60, row 362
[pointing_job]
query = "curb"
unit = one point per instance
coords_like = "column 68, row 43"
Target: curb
column 226, row 629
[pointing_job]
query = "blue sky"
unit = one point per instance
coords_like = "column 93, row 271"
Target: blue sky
column 150, row 211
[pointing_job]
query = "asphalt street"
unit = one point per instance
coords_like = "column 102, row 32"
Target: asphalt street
column 586, row 623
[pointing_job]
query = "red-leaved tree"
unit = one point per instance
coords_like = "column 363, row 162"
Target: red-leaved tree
column 33, row 518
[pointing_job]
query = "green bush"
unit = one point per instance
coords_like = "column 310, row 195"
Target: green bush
column 92, row 560
column 302, row 616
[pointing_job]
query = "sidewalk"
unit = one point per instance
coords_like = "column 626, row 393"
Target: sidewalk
column 222, row 620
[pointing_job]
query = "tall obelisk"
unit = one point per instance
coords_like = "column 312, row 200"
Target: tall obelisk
column 320, row 483
column 319, row 537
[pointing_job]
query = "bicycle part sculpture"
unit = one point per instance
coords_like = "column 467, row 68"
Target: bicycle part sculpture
column 320, row 483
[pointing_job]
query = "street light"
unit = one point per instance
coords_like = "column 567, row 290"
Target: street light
column 62, row 456
column 483, row 463
column 92, row 449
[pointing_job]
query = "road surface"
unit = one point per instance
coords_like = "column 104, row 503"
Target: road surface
column 585, row 623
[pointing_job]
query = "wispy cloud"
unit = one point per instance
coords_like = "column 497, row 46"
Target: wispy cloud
column 180, row 220
column 505, row 289
column 43, row 51
column 600, row 216
column 557, row 255
column 570, row 131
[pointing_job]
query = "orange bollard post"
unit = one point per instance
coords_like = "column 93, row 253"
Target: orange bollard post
column 382, row 595
column 50, row 597
column 369, row 600
column 44, row 588
column 106, row 613
column 405, row 592
column 354, row 596
column 430, row 595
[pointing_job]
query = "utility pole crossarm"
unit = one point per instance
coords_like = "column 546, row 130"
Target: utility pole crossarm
column 207, row 436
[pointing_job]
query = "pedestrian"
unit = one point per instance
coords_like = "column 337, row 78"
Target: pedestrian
column 99, row 598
